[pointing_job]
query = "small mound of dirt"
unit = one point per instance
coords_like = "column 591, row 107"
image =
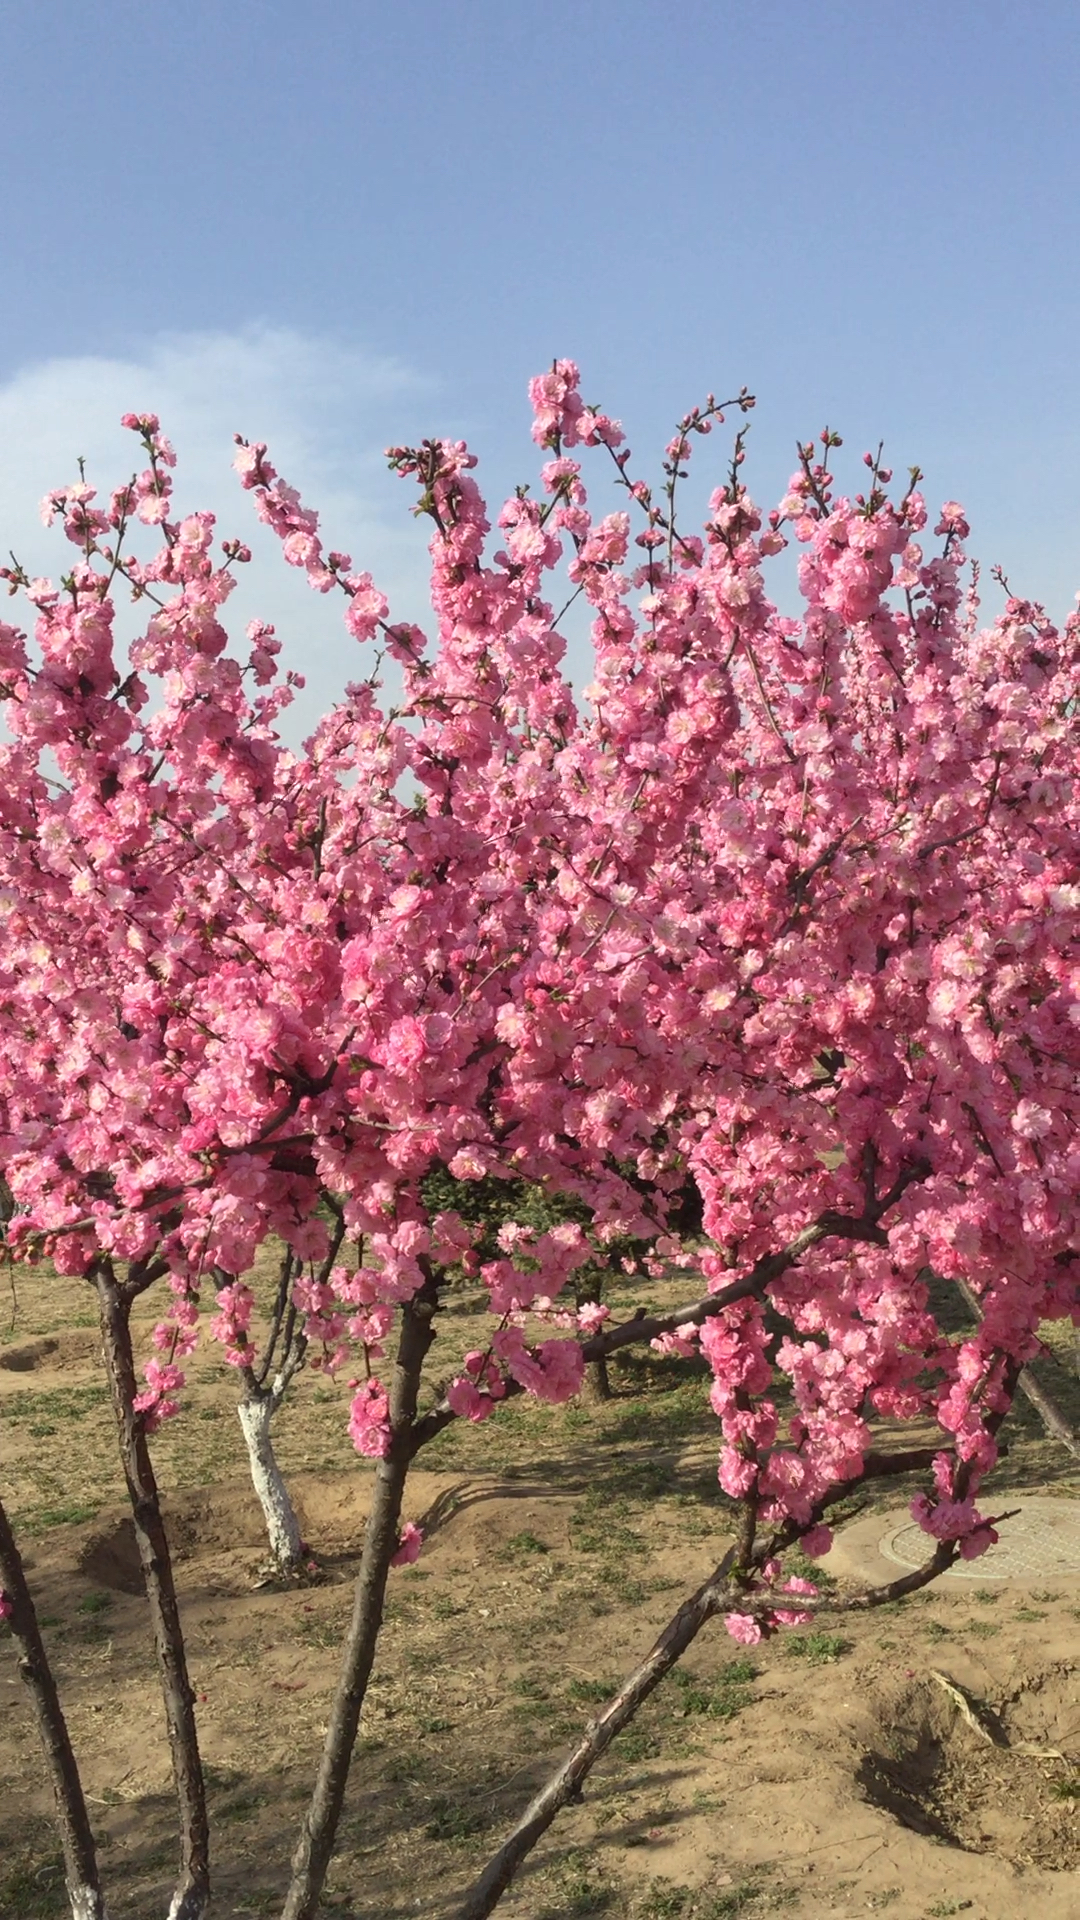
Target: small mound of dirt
column 36, row 1353
column 1010, row 1790
column 110, row 1558
column 200, row 1524
column 53, row 1351
column 213, row 1520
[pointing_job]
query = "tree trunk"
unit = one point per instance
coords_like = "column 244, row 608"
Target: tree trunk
column 191, row 1897
column 596, row 1385
column 76, row 1838
column 256, row 1411
column 315, row 1846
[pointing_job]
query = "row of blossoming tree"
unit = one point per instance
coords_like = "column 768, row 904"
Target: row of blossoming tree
column 781, row 915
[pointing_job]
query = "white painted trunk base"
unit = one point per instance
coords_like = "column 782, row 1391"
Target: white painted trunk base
column 189, row 1903
column 86, row 1904
column 282, row 1526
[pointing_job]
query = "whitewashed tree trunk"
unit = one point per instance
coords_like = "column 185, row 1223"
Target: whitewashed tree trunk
column 283, row 1529
column 189, row 1903
column 266, row 1377
column 87, row 1903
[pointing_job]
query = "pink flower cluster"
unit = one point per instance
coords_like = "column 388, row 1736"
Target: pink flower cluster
column 474, row 1394
column 775, row 929
column 231, row 1324
column 156, row 1403
column 369, row 1420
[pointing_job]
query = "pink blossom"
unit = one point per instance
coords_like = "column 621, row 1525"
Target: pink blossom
column 816, row 1542
column 1031, row 1121
column 978, row 1542
column 410, row 1540
column 369, row 1420
column 743, row 1628
column 366, row 609
column 591, row 1316
column 465, row 1399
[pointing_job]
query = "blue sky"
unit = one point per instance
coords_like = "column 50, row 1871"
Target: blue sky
column 337, row 224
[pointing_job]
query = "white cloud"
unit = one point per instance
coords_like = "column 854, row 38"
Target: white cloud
column 326, row 411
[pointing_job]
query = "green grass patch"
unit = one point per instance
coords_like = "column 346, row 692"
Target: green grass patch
column 95, row 1603
column 579, row 1888
column 32, row 1887
column 70, row 1513
column 51, row 1406
column 817, row 1649
column 520, row 1545
column 454, row 1820
column 720, row 1698
column 667, row 1900
column 592, row 1691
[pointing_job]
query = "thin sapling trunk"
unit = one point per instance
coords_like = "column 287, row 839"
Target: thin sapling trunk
column 266, row 1382
column 191, row 1897
column 256, row 1411
column 76, row 1837
column 315, row 1846
column 265, row 1387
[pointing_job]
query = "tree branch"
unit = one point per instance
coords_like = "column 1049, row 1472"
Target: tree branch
column 643, row 1326
column 721, row 1590
column 1045, row 1406
column 828, row 1225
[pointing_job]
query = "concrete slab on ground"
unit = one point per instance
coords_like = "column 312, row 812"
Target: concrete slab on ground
column 1039, row 1547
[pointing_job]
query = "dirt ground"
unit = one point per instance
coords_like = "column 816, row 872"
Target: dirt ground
column 828, row 1774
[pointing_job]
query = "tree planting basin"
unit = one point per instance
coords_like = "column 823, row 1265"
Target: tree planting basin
column 1039, row 1546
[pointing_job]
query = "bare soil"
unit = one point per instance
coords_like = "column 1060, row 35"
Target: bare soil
column 826, row 1775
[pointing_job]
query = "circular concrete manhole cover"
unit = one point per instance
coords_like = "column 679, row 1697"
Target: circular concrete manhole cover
column 1041, row 1542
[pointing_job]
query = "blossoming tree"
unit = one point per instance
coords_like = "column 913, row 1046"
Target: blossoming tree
column 765, row 951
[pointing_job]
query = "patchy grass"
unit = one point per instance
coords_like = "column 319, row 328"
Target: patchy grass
column 818, row 1649
column 453, row 1819
column 32, row 1880
column 666, row 1900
